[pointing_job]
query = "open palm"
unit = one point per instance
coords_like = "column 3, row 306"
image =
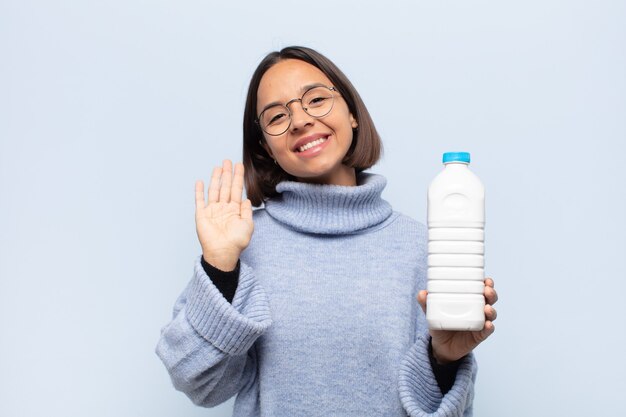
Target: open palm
column 224, row 224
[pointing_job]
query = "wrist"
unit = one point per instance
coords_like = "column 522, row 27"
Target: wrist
column 223, row 262
column 440, row 358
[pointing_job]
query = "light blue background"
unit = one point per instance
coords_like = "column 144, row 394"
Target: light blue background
column 110, row 110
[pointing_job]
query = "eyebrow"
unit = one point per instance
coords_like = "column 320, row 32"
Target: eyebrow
column 302, row 90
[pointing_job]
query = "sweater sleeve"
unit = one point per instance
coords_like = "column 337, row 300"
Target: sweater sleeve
column 419, row 390
column 444, row 374
column 207, row 348
column 225, row 281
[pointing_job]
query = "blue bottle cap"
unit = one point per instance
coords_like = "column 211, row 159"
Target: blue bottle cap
column 456, row 157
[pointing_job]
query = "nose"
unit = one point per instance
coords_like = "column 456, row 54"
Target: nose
column 299, row 118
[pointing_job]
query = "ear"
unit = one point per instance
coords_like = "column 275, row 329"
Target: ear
column 353, row 122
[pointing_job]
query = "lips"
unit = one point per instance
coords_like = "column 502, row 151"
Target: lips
column 308, row 139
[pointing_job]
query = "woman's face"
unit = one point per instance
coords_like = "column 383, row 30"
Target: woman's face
column 332, row 134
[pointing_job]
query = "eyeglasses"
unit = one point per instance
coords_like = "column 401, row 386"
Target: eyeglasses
column 316, row 102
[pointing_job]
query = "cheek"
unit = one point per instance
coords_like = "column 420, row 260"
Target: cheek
column 346, row 126
column 346, row 118
column 278, row 148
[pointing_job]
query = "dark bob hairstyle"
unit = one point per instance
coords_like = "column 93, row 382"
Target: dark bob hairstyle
column 262, row 174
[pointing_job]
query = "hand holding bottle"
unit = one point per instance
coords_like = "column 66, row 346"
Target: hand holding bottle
column 451, row 345
column 224, row 224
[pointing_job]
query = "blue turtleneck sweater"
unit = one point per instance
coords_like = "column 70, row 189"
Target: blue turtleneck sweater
column 324, row 321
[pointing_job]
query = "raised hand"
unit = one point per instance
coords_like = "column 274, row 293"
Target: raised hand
column 224, row 224
column 449, row 345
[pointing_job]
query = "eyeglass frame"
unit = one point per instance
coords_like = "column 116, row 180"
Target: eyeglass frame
column 286, row 105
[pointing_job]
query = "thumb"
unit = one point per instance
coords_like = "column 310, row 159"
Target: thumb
column 421, row 299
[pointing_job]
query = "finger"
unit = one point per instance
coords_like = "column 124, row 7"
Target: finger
column 199, row 195
column 490, row 313
column 421, row 299
column 214, row 186
column 487, row 330
column 489, row 282
column 246, row 209
column 490, row 295
column 227, row 175
column 236, row 190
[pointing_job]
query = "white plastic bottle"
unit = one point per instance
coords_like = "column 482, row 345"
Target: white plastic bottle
column 456, row 221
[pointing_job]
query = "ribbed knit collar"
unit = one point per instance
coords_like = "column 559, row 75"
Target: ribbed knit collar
column 331, row 209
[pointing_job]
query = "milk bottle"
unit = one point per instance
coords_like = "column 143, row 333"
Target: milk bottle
column 456, row 221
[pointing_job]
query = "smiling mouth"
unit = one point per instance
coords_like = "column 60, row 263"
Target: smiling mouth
column 312, row 144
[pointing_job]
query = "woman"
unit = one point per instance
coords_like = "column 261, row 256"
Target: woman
column 312, row 314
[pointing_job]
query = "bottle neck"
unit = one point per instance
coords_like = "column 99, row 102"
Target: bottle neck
column 456, row 165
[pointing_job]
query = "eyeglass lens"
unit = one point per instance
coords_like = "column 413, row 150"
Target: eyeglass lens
column 317, row 102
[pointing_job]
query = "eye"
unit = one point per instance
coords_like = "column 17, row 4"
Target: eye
column 317, row 97
column 317, row 101
column 276, row 118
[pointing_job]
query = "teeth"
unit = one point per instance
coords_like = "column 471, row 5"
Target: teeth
column 311, row 144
